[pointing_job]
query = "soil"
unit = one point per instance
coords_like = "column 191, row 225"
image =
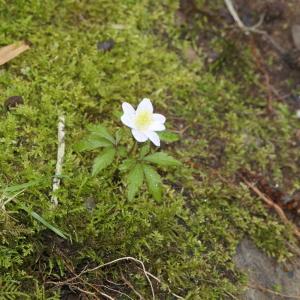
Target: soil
column 280, row 63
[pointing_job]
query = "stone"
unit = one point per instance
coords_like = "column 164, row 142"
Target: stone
column 267, row 273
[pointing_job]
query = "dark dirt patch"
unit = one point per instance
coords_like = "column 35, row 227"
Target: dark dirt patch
column 279, row 64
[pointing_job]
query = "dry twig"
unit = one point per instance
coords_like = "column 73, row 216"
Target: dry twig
column 77, row 277
column 273, row 205
column 116, row 291
column 129, row 284
column 124, row 259
column 159, row 281
column 253, row 29
column 60, row 157
column 239, row 22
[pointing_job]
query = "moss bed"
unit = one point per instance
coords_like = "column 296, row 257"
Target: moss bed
column 188, row 239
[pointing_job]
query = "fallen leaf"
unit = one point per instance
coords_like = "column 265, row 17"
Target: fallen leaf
column 9, row 52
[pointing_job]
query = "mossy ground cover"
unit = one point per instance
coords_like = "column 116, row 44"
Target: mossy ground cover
column 188, row 238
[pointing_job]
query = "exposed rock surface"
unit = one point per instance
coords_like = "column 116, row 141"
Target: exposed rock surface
column 265, row 273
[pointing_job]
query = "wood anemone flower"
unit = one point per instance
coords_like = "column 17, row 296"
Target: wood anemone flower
column 143, row 122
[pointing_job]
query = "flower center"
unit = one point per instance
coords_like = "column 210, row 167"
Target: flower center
column 143, row 120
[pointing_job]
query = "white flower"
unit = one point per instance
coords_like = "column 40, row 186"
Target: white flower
column 143, row 122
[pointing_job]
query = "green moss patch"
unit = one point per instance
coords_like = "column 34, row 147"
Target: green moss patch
column 188, row 238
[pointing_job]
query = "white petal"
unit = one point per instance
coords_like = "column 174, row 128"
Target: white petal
column 157, row 126
column 139, row 136
column 128, row 109
column 145, row 105
column 159, row 118
column 128, row 120
column 154, row 138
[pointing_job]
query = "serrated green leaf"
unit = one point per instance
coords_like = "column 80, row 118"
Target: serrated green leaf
column 168, row 136
column 122, row 151
column 103, row 160
column 102, row 132
column 135, row 180
column 119, row 135
column 91, row 143
column 144, row 150
column 162, row 159
column 127, row 164
column 153, row 181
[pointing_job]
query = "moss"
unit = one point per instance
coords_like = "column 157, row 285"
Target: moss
column 188, row 239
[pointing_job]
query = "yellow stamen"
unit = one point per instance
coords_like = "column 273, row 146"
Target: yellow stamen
column 143, row 120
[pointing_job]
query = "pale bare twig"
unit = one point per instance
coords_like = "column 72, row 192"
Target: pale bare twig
column 253, row 29
column 132, row 287
column 83, row 291
column 60, row 157
column 124, row 259
column 114, row 283
column 116, row 291
column 107, row 296
column 159, row 281
column 78, row 276
column 239, row 22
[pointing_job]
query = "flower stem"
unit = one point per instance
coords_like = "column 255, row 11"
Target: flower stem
column 133, row 148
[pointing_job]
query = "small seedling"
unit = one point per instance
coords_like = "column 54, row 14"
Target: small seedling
column 137, row 164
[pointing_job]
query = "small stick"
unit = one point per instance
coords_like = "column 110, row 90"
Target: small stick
column 116, row 291
column 132, row 287
column 273, row 205
column 254, row 28
column 239, row 22
column 60, row 157
column 159, row 281
column 122, row 259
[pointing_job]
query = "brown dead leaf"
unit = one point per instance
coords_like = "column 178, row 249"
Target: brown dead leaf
column 9, row 52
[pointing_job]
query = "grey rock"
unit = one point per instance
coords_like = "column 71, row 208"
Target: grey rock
column 265, row 272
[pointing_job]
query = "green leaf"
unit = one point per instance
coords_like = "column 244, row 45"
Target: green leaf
column 135, row 180
column 102, row 132
column 19, row 187
column 162, row 159
column 119, row 135
column 145, row 150
column 168, row 136
column 44, row 222
column 91, row 143
column 153, row 181
column 122, row 151
column 127, row 164
column 103, row 160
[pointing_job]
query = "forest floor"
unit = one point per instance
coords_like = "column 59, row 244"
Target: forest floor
column 227, row 226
